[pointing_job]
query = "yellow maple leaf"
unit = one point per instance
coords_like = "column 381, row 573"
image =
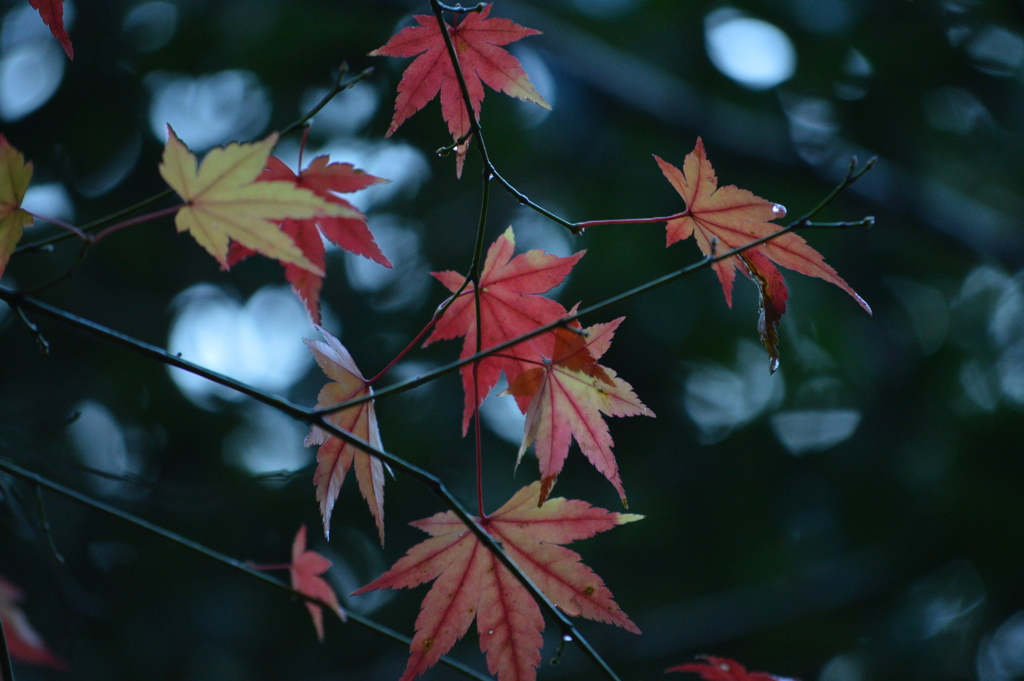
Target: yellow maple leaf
column 223, row 200
column 14, row 178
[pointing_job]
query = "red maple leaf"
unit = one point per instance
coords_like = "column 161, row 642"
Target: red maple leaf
column 733, row 217
column 567, row 397
column 477, row 41
column 722, row 669
column 335, row 456
column 306, row 568
column 52, row 12
column 471, row 582
column 23, row 641
column 348, row 232
column 509, row 307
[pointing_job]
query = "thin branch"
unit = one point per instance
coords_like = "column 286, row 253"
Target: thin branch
column 45, row 520
column 44, row 345
column 580, row 226
column 336, row 89
column 241, row 566
column 67, row 226
column 155, row 215
column 47, row 243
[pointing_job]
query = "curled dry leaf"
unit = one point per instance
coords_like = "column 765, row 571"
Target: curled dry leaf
column 335, row 456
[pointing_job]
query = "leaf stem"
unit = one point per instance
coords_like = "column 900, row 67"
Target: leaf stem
column 412, row 344
column 580, row 226
column 96, row 224
column 66, row 226
column 241, row 566
column 169, row 210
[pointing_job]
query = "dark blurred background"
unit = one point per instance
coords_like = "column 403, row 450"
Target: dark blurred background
column 859, row 515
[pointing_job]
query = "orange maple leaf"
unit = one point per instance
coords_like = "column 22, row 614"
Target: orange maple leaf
column 23, row 641
column 306, row 568
column 567, row 397
column 348, row 232
column 472, row 583
column 52, row 12
column 335, row 456
column 735, row 217
column 477, row 41
column 722, row 669
column 15, row 174
column 510, row 305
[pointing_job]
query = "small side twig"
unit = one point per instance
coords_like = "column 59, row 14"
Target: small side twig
column 45, row 522
column 459, row 9
column 335, row 90
column 44, row 345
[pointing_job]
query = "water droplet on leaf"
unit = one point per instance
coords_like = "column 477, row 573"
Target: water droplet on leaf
column 779, row 209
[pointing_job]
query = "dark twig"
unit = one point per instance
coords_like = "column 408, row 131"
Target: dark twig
column 44, row 345
column 45, row 521
column 335, row 90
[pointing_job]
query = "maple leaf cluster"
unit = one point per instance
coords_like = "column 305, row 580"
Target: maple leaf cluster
column 554, row 376
column 241, row 201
